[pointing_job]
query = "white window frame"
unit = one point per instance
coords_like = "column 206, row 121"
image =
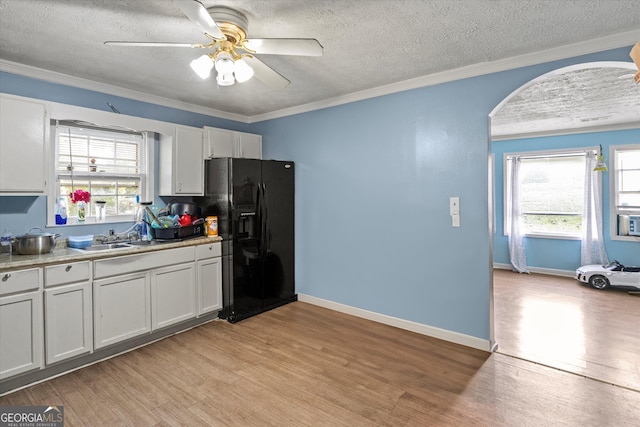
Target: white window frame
column 506, row 218
column 613, row 192
column 146, row 183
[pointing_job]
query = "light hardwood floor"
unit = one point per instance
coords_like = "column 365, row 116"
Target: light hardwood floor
column 558, row 322
column 302, row 365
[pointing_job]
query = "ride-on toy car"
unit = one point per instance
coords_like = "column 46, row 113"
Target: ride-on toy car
column 612, row 274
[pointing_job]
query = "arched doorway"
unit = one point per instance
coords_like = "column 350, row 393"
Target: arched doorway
column 580, row 99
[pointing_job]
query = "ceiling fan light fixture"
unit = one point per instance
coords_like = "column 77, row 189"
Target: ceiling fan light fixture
column 202, row 66
column 243, row 71
column 224, row 63
column 225, row 79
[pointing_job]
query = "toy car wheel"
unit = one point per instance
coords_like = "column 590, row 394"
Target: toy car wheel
column 599, row 282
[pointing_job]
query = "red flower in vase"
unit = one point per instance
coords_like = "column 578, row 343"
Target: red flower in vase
column 80, row 196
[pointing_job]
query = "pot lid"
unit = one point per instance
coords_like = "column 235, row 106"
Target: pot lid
column 37, row 234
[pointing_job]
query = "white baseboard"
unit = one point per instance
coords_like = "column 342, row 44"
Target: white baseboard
column 540, row 270
column 443, row 334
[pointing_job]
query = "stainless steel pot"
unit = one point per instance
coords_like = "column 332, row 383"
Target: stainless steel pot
column 35, row 243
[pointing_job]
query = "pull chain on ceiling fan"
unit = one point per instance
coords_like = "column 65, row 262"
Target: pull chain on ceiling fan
column 233, row 55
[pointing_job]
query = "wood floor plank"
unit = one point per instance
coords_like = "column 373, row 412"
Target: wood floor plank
column 559, row 322
column 303, row 365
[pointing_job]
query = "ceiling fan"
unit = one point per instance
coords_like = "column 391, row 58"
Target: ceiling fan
column 233, row 55
column 635, row 55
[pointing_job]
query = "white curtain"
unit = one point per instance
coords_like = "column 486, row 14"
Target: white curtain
column 517, row 253
column 592, row 249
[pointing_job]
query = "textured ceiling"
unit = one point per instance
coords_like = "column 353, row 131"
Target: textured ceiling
column 367, row 44
column 577, row 97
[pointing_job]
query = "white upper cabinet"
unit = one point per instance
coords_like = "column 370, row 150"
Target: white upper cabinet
column 23, row 131
column 228, row 143
column 181, row 168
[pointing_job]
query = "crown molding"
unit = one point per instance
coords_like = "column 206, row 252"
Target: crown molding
column 554, row 54
column 78, row 82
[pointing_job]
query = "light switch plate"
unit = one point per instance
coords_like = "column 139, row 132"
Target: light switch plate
column 454, row 205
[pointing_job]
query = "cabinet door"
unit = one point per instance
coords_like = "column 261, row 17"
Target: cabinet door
column 209, row 285
column 20, row 333
column 189, row 164
column 68, row 321
column 220, row 143
column 121, row 308
column 22, row 146
column 249, row 145
column 173, row 295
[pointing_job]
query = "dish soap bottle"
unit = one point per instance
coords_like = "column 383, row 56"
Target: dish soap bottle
column 61, row 210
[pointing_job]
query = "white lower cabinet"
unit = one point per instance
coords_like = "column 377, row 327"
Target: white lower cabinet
column 20, row 333
column 209, row 281
column 173, row 295
column 20, row 321
column 121, row 308
column 68, row 321
column 57, row 312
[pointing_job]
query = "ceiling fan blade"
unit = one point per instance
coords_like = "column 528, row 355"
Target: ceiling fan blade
column 301, row 47
column 266, row 74
column 198, row 14
column 153, row 44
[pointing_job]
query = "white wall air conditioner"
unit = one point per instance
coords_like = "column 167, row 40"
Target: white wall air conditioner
column 634, row 225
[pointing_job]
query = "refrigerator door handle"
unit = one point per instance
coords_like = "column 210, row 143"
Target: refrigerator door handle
column 259, row 213
column 265, row 221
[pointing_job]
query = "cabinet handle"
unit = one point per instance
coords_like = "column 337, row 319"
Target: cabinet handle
column 6, row 277
column 68, row 268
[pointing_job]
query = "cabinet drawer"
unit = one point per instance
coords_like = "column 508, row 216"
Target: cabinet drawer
column 12, row 282
column 210, row 250
column 131, row 263
column 67, row 273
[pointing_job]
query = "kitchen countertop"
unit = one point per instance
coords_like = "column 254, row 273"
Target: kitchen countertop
column 62, row 255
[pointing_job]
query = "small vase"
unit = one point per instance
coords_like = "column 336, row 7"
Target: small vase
column 81, row 211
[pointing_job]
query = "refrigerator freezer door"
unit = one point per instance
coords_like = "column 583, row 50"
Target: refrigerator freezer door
column 245, row 216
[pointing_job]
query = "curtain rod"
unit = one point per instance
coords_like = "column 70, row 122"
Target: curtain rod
column 545, row 156
column 93, row 126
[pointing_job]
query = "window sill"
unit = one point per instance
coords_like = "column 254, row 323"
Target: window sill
column 92, row 221
column 626, row 238
column 551, row 236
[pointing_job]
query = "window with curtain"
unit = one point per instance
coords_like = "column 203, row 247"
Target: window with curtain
column 551, row 193
column 626, row 179
column 106, row 163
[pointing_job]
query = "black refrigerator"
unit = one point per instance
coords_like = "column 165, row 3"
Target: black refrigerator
column 254, row 202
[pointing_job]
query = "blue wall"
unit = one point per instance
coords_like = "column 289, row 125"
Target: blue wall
column 373, row 183
column 557, row 253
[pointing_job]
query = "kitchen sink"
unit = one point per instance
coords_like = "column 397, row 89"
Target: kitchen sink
column 146, row 242
column 106, row 247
